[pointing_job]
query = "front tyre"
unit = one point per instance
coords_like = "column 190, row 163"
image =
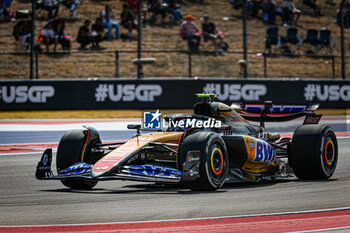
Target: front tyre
column 75, row 146
column 314, row 152
column 213, row 159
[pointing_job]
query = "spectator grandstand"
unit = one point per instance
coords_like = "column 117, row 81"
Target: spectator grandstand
column 160, row 37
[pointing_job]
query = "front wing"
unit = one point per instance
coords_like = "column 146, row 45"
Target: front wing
column 146, row 172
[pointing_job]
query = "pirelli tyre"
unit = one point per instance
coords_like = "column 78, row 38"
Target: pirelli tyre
column 213, row 159
column 314, row 152
column 75, row 146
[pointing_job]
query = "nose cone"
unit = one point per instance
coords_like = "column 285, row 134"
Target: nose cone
column 96, row 174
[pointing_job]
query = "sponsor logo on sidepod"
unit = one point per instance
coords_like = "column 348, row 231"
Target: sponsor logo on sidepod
column 264, row 152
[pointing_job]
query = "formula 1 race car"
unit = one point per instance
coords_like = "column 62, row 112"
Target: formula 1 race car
column 213, row 146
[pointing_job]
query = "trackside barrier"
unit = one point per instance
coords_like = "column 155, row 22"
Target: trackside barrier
column 169, row 93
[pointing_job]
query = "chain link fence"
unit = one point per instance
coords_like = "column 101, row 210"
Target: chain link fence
column 171, row 63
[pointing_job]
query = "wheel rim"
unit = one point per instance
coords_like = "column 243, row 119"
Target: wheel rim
column 329, row 159
column 329, row 151
column 217, row 161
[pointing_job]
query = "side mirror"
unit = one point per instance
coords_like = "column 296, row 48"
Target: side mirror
column 137, row 127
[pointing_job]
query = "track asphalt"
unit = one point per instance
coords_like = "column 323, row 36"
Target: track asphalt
column 27, row 201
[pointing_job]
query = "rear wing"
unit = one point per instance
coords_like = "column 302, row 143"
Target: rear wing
column 269, row 112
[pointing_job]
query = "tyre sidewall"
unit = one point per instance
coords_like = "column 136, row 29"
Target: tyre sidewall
column 213, row 141
column 69, row 152
column 205, row 141
column 70, row 148
column 307, row 156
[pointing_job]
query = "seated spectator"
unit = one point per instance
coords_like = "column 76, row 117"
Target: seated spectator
column 63, row 39
column 22, row 34
column 190, row 31
column 165, row 8
column 156, row 8
column 48, row 37
column 51, row 5
column 174, row 10
column 287, row 13
column 253, row 7
column 291, row 13
column 133, row 6
column 127, row 19
column 209, row 32
column 97, row 32
column 84, row 36
column 269, row 12
column 109, row 22
column 4, row 12
column 72, row 6
column 314, row 9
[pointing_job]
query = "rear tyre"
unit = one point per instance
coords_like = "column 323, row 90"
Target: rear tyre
column 213, row 159
column 75, row 147
column 314, row 152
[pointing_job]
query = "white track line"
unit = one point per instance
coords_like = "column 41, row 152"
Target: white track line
column 105, row 126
